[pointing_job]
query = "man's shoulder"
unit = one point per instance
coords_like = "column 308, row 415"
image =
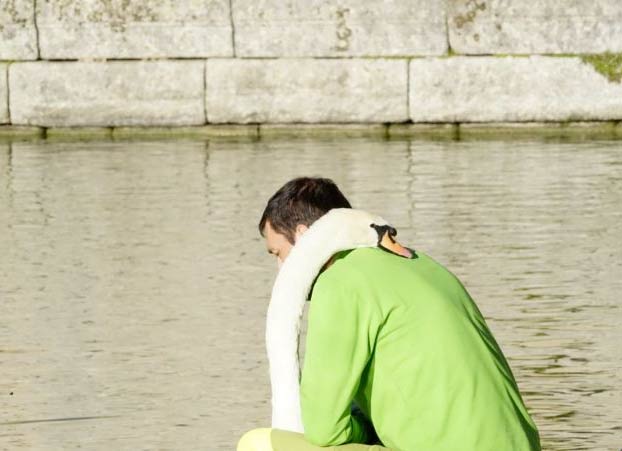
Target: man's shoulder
column 341, row 272
column 370, row 258
column 352, row 267
column 356, row 269
column 352, row 260
column 345, row 282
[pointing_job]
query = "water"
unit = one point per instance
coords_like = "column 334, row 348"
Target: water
column 134, row 284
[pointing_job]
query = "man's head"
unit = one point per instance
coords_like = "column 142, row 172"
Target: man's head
column 292, row 210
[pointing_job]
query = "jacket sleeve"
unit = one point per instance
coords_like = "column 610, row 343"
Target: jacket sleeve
column 338, row 348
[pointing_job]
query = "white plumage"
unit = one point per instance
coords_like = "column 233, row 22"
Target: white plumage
column 339, row 229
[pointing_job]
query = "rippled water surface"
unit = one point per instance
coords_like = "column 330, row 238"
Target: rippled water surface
column 134, row 284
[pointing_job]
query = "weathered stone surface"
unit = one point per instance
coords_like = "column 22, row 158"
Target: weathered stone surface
column 4, row 94
column 511, row 89
column 136, row 29
column 18, row 36
column 535, row 26
column 347, row 28
column 107, row 94
column 306, row 90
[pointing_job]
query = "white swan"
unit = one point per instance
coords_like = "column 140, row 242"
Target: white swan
column 339, row 229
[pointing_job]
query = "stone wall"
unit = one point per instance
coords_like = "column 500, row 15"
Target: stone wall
column 193, row 62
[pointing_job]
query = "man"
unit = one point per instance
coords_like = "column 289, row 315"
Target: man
column 397, row 352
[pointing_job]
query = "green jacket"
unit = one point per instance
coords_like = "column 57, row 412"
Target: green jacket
column 403, row 339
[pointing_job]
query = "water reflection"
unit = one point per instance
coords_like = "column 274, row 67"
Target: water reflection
column 134, row 283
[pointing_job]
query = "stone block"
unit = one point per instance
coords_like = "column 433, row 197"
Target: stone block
column 107, row 93
column 511, row 89
column 347, row 28
column 136, row 29
column 306, row 90
column 4, row 94
column 535, row 26
column 18, row 36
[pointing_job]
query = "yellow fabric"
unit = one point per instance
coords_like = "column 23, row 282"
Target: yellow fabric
column 265, row 439
column 256, row 440
column 293, row 441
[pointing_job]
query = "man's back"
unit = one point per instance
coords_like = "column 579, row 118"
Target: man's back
column 404, row 339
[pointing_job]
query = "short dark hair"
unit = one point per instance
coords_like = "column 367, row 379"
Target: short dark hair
column 302, row 200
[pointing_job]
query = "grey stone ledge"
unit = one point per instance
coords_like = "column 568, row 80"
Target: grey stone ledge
column 298, row 131
column 477, row 131
column 537, row 130
column 20, row 133
column 78, row 133
column 428, row 131
column 210, row 132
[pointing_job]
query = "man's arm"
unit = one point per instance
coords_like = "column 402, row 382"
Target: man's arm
column 339, row 344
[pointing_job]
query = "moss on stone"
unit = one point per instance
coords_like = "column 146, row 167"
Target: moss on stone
column 205, row 132
column 427, row 132
column 607, row 64
column 9, row 133
column 568, row 131
column 323, row 131
column 78, row 133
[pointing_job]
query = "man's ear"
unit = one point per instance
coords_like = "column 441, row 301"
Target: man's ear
column 300, row 230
